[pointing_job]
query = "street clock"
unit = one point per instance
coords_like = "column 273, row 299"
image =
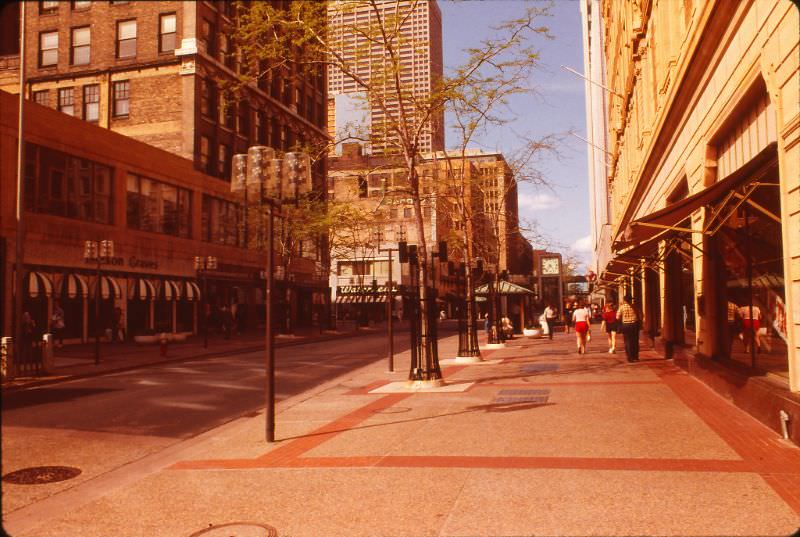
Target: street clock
column 550, row 266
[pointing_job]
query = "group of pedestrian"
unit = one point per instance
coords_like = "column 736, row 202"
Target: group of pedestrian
column 744, row 322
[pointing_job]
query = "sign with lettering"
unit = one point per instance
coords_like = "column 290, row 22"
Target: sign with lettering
column 363, row 290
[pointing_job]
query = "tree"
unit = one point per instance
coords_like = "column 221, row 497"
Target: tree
column 296, row 39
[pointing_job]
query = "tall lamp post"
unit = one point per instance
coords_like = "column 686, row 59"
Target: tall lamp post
column 263, row 182
column 99, row 252
column 201, row 266
column 401, row 235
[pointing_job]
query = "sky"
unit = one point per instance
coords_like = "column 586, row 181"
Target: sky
column 557, row 106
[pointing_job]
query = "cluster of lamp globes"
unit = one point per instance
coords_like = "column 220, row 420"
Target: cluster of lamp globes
column 259, row 176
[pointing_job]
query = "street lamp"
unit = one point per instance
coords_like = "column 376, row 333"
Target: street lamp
column 201, row 266
column 263, row 182
column 100, row 252
column 389, row 293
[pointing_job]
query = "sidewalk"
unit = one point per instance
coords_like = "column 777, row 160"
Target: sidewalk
column 536, row 440
column 78, row 361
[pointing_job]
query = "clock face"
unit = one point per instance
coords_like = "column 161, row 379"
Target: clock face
column 550, row 265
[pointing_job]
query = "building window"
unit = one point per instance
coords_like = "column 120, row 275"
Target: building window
column 205, row 152
column 407, row 212
column 119, row 2
column 222, row 161
column 81, row 46
column 221, row 221
column 206, row 98
column 362, row 186
column 48, row 49
column 42, row 97
column 261, row 128
column 79, row 5
column 60, row 184
column 126, row 39
column 167, row 24
column 48, row 8
column 158, row 207
column 66, row 101
column 91, row 103
column 242, row 126
column 122, row 98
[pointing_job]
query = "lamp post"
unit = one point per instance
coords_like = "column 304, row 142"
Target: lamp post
column 263, row 182
column 201, row 266
column 98, row 251
column 401, row 235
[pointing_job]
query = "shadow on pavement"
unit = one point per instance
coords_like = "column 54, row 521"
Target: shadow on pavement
column 28, row 398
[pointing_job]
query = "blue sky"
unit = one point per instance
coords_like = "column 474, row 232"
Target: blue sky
column 557, row 107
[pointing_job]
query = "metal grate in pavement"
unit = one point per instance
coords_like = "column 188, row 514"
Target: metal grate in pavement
column 538, row 368
column 508, row 397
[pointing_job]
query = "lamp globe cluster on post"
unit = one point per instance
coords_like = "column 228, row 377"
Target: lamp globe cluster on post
column 262, row 182
column 98, row 252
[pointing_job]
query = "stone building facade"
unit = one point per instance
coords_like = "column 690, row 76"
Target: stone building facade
column 704, row 167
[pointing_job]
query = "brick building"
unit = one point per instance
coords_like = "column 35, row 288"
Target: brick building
column 84, row 182
column 152, row 71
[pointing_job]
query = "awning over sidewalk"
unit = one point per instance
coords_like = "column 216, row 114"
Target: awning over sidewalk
column 667, row 219
column 141, row 289
column 109, row 288
column 192, row 291
column 170, row 290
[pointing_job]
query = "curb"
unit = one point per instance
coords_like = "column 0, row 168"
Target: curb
column 10, row 388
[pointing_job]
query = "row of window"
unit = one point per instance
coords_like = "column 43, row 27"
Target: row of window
column 81, row 41
column 120, row 100
column 64, row 185
column 50, row 7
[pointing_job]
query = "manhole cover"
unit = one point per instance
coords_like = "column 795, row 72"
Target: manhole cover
column 39, row 475
column 237, row 529
column 510, row 397
column 538, row 368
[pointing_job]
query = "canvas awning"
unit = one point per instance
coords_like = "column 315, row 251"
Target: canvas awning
column 192, row 291
column 666, row 221
column 503, row 288
column 38, row 285
column 142, row 289
column 170, row 290
column 74, row 286
column 109, row 288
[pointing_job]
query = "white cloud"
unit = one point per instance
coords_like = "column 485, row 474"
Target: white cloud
column 538, row 202
column 584, row 244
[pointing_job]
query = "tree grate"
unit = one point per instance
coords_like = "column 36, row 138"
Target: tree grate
column 510, row 397
column 538, row 368
column 40, row 475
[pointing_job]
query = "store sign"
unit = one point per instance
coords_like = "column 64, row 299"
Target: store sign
column 133, row 262
column 363, row 290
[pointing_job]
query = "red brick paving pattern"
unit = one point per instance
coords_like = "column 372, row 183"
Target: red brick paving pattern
column 760, row 452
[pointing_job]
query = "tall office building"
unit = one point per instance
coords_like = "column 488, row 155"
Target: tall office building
column 419, row 51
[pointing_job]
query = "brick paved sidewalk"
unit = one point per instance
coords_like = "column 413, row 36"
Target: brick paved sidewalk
column 538, row 440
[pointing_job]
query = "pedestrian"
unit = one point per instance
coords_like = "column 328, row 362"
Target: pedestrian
column 581, row 318
column 118, row 325
column 227, row 321
column 568, row 309
column 629, row 318
column 507, row 327
column 734, row 324
column 550, row 320
column 241, row 310
column 609, row 324
column 486, row 323
column 751, row 323
column 28, row 335
column 57, row 324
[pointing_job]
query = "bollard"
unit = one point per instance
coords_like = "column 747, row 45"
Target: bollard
column 48, row 360
column 6, row 356
column 163, row 341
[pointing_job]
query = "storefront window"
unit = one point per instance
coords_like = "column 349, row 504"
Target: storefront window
column 750, row 243
column 64, row 185
column 158, row 207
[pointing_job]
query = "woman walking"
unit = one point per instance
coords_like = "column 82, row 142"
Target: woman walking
column 609, row 324
column 581, row 318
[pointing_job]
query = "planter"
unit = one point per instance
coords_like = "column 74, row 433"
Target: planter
column 146, row 340
column 534, row 333
column 178, row 337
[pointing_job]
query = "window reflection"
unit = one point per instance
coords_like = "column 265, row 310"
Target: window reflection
column 158, row 207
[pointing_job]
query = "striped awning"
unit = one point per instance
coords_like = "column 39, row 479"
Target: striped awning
column 109, row 288
column 74, row 286
column 191, row 291
column 170, row 290
column 142, row 289
column 38, row 285
column 361, row 299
